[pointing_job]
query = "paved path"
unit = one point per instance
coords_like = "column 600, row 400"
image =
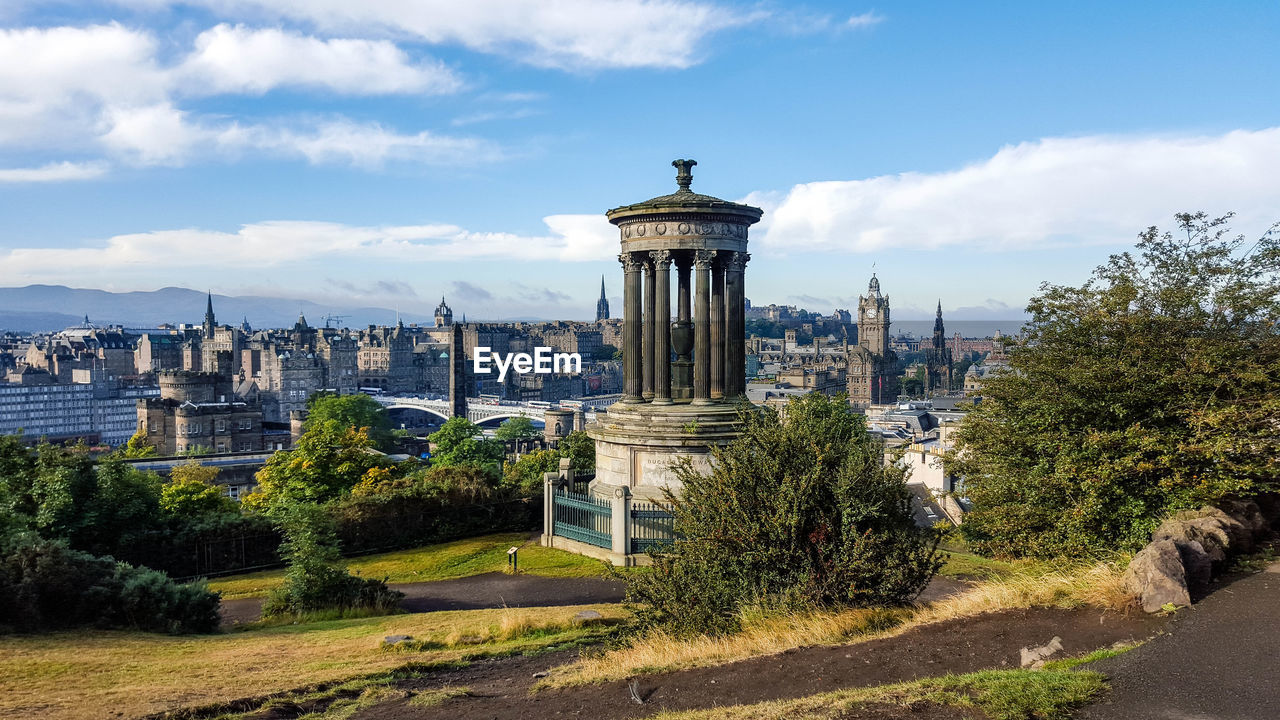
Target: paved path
column 495, row 590
column 1220, row 660
column 490, row 590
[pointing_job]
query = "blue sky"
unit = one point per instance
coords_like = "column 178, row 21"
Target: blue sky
column 390, row 151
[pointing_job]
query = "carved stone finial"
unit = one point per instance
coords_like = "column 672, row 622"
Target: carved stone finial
column 684, row 173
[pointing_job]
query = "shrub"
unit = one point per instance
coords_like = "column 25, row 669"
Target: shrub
column 800, row 513
column 316, row 579
column 44, row 585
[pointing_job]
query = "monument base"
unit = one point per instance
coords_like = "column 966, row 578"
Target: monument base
column 637, row 443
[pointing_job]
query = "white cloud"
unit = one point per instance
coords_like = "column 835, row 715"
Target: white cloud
column 168, row 253
column 54, row 81
column 103, row 88
column 1100, row 189
column 236, row 59
column 53, row 172
column 866, row 19
column 573, row 34
column 164, row 135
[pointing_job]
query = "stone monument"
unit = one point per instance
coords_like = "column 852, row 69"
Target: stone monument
column 677, row 406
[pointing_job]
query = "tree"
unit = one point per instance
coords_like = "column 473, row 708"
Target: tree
column 517, row 428
column 461, row 442
column 351, row 411
column 138, row 447
column 580, row 449
column 524, row 476
column 799, row 513
column 327, row 461
column 1152, row 387
column 191, row 492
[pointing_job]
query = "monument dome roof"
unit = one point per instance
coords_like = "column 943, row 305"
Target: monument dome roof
column 684, row 198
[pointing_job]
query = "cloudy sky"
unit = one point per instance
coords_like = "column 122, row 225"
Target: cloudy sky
column 390, row 151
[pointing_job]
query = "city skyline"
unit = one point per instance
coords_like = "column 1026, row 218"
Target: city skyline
column 391, row 155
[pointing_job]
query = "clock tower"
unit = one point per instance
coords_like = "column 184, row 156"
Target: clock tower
column 871, row 370
column 873, row 319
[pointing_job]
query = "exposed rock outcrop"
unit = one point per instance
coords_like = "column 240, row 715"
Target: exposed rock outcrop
column 1190, row 547
column 1157, row 578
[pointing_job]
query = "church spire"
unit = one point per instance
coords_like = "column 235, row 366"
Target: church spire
column 602, row 305
column 209, row 322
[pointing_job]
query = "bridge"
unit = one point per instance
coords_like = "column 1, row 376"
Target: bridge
column 481, row 410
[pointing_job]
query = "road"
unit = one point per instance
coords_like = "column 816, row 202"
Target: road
column 1220, row 660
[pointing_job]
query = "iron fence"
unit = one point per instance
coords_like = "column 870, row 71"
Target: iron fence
column 583, row 518
column 651, row 525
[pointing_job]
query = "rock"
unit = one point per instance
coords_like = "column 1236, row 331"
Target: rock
column 1034, row 657
column 1196, row 564
column 586, row 617
column 1269, row 505
column 1248, row 513
column 396, row 639
column 1240, row 535
column 1157, row 578
column 1212, row 538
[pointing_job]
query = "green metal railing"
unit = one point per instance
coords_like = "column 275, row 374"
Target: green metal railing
column 651, row 525
column 583, row 518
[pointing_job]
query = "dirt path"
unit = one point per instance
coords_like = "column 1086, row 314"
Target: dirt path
column 490, row 590
column 500, row 689
column 1220, row 660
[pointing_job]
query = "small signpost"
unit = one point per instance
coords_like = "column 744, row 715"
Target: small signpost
column 513, row 560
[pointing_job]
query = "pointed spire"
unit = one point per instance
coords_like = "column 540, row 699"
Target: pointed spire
column 939, row 307
column 602, row 287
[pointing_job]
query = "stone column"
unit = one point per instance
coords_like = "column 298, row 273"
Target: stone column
column 633, row 388
column 717, row 328
column 650, row 283
column 682, row 333
column 662, row 328
column 703, row 259
column 736, row 325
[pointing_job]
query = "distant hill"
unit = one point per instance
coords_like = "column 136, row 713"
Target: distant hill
column 43, row 308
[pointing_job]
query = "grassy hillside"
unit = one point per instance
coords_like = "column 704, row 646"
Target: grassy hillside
column 77, row 676
column 446, row 561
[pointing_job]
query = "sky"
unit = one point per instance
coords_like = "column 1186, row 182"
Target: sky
column 389, row 152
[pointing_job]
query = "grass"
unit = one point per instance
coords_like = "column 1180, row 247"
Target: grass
column 445, row 561
column 999, row 694
column 1096, row 655
column 75, row 675
column 1029, row 585
column 964, row 565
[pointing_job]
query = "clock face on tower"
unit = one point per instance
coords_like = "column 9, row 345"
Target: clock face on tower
column 871, row 312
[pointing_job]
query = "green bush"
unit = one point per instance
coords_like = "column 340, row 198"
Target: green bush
column 316, row 579
column 797, row 514
column 44, row 585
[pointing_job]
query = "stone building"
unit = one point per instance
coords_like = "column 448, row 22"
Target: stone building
column 340, row 357
column 444, row 314
column 158, row 351
column 872, row 370
column 197, row 410
column 385, row 359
